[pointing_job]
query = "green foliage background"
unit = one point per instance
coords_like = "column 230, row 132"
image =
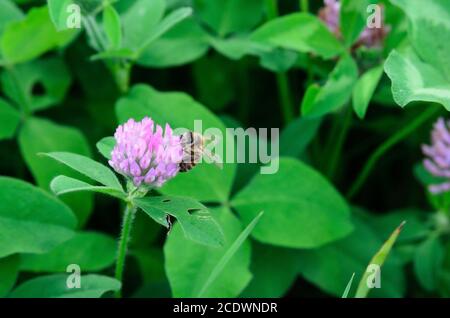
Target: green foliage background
column 349, row 166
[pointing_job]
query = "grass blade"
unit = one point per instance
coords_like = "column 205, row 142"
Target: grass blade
column 378, row 259
column 349, row 285
column 229, row 254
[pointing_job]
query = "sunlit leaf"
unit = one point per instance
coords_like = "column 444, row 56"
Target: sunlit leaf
column 112, row 26
column 29, row 38
column 301, row 32
column 336, row 92
column 364, row 89
column 414, row 80
column 184, row 43
column 139, row 20
column 352, row 19
column 9, row 12
column 228, row 16
column 105, row 146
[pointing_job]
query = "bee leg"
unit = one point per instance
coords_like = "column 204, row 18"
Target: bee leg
column 215, row 158
column 169, row 224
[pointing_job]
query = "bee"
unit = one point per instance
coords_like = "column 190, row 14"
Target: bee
column 193, row 145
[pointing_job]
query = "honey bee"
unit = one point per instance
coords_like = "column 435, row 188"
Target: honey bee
column 193, row 145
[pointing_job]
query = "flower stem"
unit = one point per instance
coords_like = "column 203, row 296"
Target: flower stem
column 287, row 108
column 304, row 5
column 272, row 9
column 388, row 144
column 285, row 100
column 121, row 71
column 338, row 143
column 127, row 224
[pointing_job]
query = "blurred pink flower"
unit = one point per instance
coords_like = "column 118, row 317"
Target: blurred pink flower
column 437, row 161
column 145, row 154
column 330, row 15
column 370, row 37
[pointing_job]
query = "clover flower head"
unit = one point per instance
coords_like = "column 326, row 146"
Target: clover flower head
column 370, row 37
column 330, row 15
column 145, row 153
column 437, row 161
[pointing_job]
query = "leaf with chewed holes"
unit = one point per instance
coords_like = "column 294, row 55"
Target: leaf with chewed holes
column 194, row 218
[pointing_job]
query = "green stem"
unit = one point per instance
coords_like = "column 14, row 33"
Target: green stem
column 329, row 143
column 244, row 89
column 388, row 144
column 92, row 34
column 338, row 145
column 127, row 224
column 287, row 107
column 120, row 69
column 285, row 99
column 96, row 33
column 272, row 9
column 304, row 5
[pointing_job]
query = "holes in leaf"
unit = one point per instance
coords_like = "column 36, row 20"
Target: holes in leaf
column 193, row 210
column 38, row 89
column 166, row 200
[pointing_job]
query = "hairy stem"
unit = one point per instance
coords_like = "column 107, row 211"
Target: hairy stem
column 127, row 224
column 388, row 144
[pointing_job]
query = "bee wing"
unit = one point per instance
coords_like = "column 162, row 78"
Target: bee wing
column 213, row 158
